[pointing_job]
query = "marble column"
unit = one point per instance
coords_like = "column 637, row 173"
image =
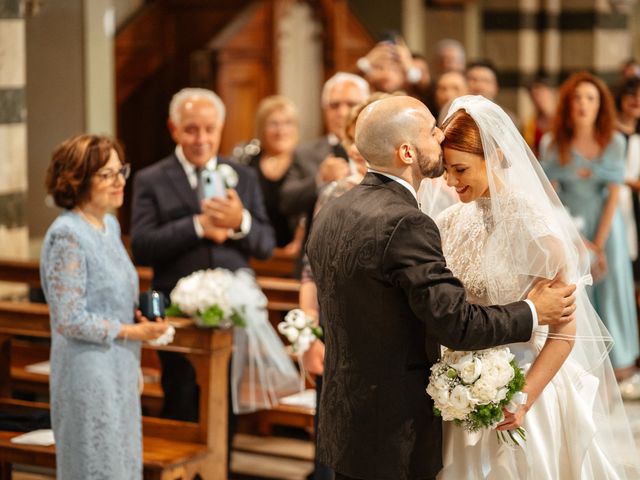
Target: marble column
column 595, row 37
column 14, row 237
column 511, row 42
column 553, row 37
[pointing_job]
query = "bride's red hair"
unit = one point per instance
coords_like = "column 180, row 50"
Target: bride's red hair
column 461, row 133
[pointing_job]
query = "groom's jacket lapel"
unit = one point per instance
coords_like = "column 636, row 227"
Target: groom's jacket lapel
column 373, row 179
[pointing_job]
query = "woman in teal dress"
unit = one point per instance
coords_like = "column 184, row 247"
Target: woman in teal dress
column 584, row 157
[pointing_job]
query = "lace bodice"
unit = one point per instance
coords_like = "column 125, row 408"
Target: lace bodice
column 480, row 252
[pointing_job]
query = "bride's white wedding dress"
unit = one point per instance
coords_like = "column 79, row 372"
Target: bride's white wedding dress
column 499, row 247
column 559, row 430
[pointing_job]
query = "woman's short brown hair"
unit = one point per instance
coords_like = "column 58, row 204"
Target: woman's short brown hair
column 74, row 163
column 461, row 133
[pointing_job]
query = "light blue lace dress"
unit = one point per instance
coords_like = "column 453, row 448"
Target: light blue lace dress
column 91, row 287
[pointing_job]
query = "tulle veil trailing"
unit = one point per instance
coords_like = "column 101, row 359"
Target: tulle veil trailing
column 517, row 245
column 261, row 370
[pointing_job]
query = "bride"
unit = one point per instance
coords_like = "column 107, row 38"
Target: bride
column 508, row 231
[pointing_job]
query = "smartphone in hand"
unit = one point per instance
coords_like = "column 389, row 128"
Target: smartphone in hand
column 212, row 184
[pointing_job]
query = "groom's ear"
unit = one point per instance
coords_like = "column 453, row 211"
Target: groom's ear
column 406, row 154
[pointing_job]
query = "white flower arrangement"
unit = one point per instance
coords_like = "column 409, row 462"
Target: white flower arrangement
column 204, row 295
column 472, row 388
column 300, row 330
column 228, row 174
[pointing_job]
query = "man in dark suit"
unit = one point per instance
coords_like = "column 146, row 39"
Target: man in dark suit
column 177, row 232
column 383, row 289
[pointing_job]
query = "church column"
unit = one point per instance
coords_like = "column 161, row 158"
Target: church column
column 593, row 36
column 510, row 41
column 14, row 238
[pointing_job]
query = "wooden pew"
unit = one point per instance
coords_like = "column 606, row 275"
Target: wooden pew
column 172, row 449
column 282, row 295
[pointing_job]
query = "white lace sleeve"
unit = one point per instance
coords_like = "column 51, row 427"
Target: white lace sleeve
column 66, row 281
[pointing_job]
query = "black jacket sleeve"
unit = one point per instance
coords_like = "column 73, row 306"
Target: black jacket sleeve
column 413, row 261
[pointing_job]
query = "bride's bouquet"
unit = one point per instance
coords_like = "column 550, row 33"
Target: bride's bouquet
column 205, row 296
column 472, row 388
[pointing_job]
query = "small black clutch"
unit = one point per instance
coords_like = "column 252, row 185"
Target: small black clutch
column 152, row 304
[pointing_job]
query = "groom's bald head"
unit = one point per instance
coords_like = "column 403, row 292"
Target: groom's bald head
column 385, row 125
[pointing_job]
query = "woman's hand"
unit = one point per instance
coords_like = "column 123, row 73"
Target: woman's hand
column 599, row 266
column 144, row 329
column 513, row 421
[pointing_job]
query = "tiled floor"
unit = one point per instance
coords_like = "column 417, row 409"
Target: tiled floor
column 262, row 459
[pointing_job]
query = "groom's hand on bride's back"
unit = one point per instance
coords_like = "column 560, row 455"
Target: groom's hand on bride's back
column 555, row 303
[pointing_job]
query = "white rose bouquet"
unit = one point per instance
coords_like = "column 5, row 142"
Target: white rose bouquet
column 472, row 388
column 299, row 330
column 205, row 296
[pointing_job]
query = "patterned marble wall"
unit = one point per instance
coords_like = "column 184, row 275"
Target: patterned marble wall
column 13, row 135
column 555, row 37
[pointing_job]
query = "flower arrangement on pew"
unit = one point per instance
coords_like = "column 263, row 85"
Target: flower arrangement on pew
column 204, row 296
column 472, row 388
column 300, row 330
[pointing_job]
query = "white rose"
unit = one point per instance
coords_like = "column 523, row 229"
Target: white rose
column 502, row 394
column 282, row 328
column 450, row 413
column 497, row 372
column 292, row 334
column 452, row 357
column 460, row 398
column 469, row 368
column 297, row 318
column 483, row 392
column 440, row 395
column 304, row 341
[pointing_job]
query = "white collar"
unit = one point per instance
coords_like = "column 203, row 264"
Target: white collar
column 190, row 167
column 401, row 181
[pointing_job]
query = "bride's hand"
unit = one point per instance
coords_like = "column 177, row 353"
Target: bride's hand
column 513, row 421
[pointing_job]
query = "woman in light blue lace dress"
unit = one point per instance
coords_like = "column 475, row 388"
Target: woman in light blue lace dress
column 91, row 287
column 585, row 158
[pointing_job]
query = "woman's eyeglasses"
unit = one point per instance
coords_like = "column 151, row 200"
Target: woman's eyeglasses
column 112, row 175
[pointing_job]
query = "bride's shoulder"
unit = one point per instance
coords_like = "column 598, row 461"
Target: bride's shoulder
column 517, row 208
column 448, row 216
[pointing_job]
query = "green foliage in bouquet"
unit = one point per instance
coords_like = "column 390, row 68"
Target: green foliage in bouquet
column 211, row 317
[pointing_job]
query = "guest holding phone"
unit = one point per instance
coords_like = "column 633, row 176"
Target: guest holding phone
column 91, row 287
column 177, row 230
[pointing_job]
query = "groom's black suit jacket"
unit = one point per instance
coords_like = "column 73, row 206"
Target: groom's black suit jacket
column 383, row 289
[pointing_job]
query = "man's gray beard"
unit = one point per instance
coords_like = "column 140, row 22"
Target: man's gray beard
column 435, row 171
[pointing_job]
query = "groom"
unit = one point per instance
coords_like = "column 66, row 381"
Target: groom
column 384, row 288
